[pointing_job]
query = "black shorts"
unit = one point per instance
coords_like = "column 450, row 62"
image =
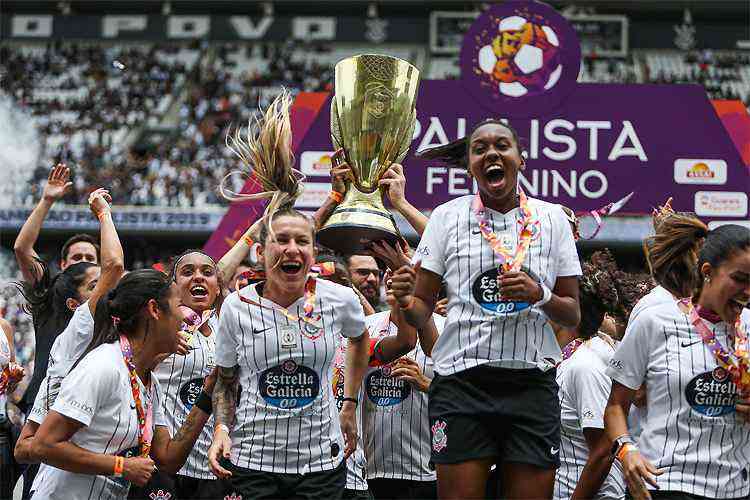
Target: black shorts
column 402, row 489
column 260, row 485
column 484, row 412
column 175, row 487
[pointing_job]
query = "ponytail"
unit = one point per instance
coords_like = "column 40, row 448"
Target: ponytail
column 46, row 298
column 119, row 311
column 672, row 253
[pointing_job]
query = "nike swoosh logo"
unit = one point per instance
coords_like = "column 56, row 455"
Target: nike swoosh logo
column 688, row 344
column 260, row 330
column 476, row 231
column 554, row 450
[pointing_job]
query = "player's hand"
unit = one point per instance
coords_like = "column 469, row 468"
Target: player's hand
column 394, row 182
column 58, row 183
column 638, row 471
column 394, row 256
column 99, row 201
column 441, row 307
column 408, row 370
column 519, row 287
column 138, row 470
column 348, row 421
column 341, row 172
column 403, row 283
column 210, row 382
column 220, row 448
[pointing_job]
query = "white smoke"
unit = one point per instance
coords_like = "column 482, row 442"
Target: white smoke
column 20, row 149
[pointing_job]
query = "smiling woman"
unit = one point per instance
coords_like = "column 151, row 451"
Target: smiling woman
column 509, row 263
column 696, row 370
column 277, row 340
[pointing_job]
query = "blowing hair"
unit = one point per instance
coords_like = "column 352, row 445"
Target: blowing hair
column 119, row 311
column 46, row 297
column 266, row 150
column 597, row 291
column 456, row 153
column 721, row 244
column 672, row 253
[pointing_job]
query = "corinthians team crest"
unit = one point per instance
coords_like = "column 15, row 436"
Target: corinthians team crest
column 519, row 50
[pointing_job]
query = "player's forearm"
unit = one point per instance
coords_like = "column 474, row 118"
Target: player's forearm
column 112, row 258
column 26, row 239
column 224, row 398
column 563, row 310
column 428, row 335
column 418, row 313
column 322, row 214
column 175, row 452
column 70, row 457
column 395, row 346
column 357, row 358
column 414, row 217
column 594, row 472
column 235, row 255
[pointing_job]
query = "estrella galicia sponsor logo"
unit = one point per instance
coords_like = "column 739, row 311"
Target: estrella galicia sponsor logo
column 712, row 393
column 289, row 385
column 190, row 391
column 385, row 390
column 486, row 291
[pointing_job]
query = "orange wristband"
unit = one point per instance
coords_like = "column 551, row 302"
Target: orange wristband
column 625, row 449
column 119, row 466
column 336, row 196
column 101, row 215
column 248, row 240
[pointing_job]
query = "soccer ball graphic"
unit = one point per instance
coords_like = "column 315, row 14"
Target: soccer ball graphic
column 523, row 59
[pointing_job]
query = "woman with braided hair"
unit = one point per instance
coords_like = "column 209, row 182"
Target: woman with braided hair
column 509, row 263
column 283, row 436
column 584, row 387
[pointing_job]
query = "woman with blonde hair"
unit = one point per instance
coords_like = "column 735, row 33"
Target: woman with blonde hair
column 283, row 436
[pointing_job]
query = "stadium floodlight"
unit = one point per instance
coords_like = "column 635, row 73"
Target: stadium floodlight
column 166, row 8
column 267, row 9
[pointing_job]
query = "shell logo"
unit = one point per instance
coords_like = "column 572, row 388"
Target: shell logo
column 701, row 171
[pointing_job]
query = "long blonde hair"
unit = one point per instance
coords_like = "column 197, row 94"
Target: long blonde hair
column 266, row 150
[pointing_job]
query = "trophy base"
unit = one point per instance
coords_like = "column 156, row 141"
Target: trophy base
column 351, row 239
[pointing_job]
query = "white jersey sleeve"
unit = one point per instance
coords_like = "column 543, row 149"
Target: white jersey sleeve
column 81, row 394
column 567, row 255
column 431, row 249
column 590, row 394
column 226, row 340
column 157, row 400
column 354, row 326
column 629, row 364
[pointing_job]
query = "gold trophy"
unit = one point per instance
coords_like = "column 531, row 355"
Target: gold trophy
column 372, row 118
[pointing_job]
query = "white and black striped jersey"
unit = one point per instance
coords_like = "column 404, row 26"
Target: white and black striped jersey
column 181, row 379
column 482, row 328
column 4, row 361
column 692, row 431
column 286, row 419
column 396, row 425
column 658, row 295
column 584, row 391
column 67, row 348
column 355, row 465
column 97, row 393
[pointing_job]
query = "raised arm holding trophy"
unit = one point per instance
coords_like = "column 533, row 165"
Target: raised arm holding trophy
column 372, row 119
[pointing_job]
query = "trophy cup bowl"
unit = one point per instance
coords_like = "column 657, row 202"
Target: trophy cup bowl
column 372, row 118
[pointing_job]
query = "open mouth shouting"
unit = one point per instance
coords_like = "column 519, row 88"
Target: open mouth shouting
column 495, row 175
column 291, row 268
column 199, row 292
